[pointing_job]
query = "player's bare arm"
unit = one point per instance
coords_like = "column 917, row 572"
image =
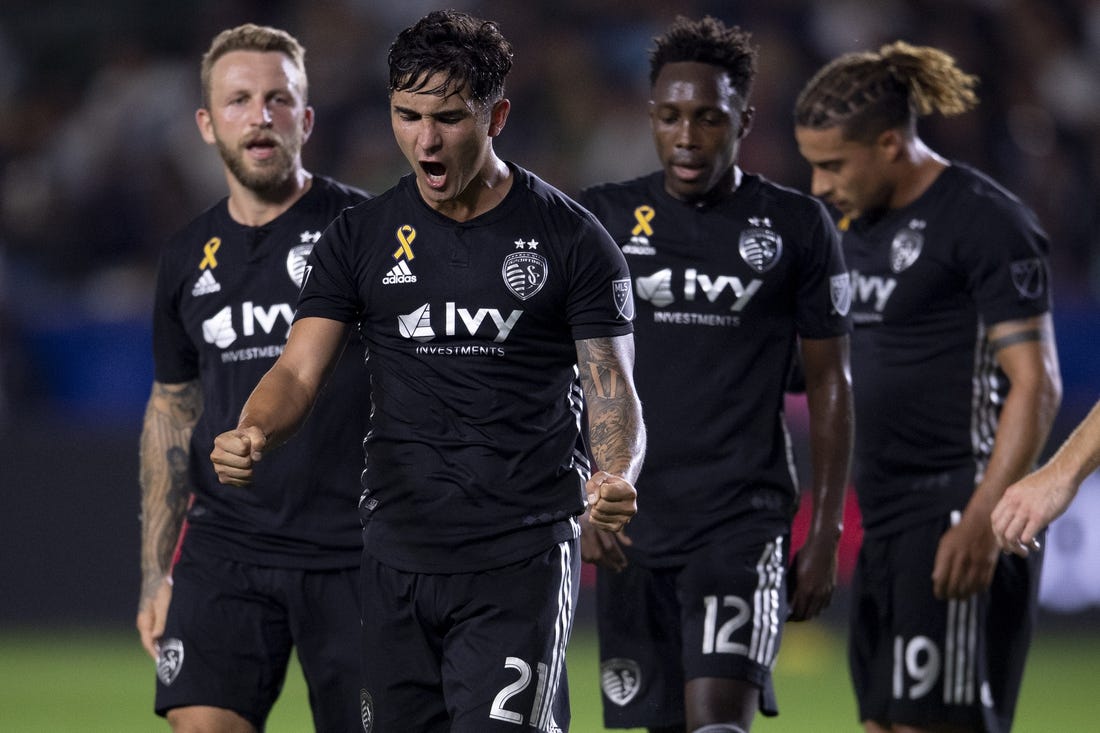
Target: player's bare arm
column 1035, row 501
column 1025, row 351
column 170, row 417
column 281, row 400
column 829, row 398
column 616, row 432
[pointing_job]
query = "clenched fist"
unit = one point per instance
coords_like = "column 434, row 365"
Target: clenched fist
column 612, row 501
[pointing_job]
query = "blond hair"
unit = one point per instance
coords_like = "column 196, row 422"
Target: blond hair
column 866, row 93
column 251, row 37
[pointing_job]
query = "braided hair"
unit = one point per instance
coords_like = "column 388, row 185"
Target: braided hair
column 866, row 93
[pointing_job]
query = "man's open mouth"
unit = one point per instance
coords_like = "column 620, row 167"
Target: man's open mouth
column 435, row 172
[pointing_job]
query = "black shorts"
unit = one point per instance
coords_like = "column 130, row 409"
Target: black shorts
column 469, row 652
column 229, row 633
column 720, row 615
column 916, row 660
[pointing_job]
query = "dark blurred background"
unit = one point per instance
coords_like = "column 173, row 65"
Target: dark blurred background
column 100, row 162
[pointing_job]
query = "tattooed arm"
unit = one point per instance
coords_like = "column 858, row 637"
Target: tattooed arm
column 170, row 416
column 616, row 432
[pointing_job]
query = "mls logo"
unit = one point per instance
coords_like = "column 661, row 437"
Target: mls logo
column 840, row 292
column 169, row 660
column 624, row 298
column 621, row 679
column 1027, row 276
column 525, row 273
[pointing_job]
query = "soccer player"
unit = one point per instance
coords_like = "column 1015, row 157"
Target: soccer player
column 956, row 386
column 1036, row 500
column 264, row 571
column 493, row 308
column 732, row 274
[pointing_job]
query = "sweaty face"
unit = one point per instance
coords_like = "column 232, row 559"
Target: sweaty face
column 847, row 174
column 257, row 117
column 445, row 139
column 698, row 121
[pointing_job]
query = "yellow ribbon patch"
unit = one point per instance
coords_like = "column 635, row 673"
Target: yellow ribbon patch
column 643, row 215
column 209, row 249
column 405, row 235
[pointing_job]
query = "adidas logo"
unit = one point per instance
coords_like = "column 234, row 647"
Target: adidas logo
column 399, row 275
column 206, row 284
column 639, row 246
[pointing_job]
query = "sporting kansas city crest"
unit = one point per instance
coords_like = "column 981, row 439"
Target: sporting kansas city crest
column 525, row 272
column 906, row 247
column 760, row 245
column 296, row 262
column 620, row 679
column 169, row 660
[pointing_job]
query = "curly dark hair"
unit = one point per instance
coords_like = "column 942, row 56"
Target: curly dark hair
column 867, row 93
column 465, row 50
column 707, row 41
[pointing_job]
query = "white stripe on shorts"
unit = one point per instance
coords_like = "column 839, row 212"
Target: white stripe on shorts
column 959, row 669
column 542, row 716
column 765, row 602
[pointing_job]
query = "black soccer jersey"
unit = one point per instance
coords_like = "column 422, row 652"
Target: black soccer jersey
column 224, row 303
column 722, row 290
column 927, row 281
column 473, row 460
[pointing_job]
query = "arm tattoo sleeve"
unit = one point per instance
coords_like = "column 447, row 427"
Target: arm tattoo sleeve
column 170, row 418
column 616, row 433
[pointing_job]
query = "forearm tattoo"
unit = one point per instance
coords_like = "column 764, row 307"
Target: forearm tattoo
column 170, row 418
column 614, row 417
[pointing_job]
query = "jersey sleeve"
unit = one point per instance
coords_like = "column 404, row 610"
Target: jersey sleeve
column 328, row 288
column 601, row 295
column 175, row 358
column 824, row 286
column 1005, row 261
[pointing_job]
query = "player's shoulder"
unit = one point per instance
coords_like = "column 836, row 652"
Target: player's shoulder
column 975, row 190
column 624, row 190
column 786, row 207
column 555, row 205
column 983, row 209
column 779, row 195
column 325, row 200
column 394, row 202
column 344, row 193
column 213, row 221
